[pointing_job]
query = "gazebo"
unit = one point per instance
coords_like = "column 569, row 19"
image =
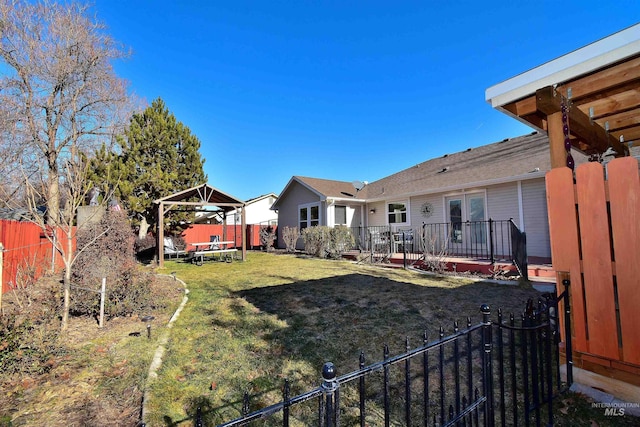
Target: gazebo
column 203, row 196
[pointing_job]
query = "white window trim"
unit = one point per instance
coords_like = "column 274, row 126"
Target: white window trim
column 407, row 203
column 346, row 214
column 308, row 206
column 463, row 195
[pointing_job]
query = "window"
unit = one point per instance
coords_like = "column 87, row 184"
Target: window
column 341, row 215
column 303, row 219
column 397, row 212
column 308, row 216
column 315, row 215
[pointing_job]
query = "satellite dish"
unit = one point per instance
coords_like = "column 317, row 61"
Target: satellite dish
column 359, row 185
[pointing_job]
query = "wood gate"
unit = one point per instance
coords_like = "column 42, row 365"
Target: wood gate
column 595, row 239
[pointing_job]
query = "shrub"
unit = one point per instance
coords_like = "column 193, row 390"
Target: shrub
column 29, row 327
column 107, row 251
column 144, row 244
column 267, row 237
column 20, row 351
column 290, row 236
column 323, row 241
column 340, row 240
column 315, row 239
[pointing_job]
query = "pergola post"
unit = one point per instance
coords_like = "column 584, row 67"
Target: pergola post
column 160, row 233
column 556, row 140
column 244, row 233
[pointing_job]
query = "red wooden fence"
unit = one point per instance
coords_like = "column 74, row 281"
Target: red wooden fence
column 27, row 253
column 595, row 238
column 233, row 233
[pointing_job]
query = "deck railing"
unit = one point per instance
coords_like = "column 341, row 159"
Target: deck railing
column 492, row 240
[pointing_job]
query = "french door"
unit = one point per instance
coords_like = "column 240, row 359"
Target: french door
column 466, row 215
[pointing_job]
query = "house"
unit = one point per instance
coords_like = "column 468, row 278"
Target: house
column 502, row 181
column 257, row 211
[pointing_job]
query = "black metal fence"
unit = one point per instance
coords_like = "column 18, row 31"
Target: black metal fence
column 492, row 240
column 502, row 373
column 519, row 250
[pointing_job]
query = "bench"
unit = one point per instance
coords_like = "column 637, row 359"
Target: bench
column 225, row 254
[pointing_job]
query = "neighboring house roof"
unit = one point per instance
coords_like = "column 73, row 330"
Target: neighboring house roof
column 20, row 214
column 262, row 197
column 204, row 216
column 520, row 158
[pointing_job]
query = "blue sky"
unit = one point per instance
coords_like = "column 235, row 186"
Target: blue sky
column 337, row 89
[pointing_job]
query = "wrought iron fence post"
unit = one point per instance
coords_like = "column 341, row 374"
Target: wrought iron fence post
column 329, row 389
column 286, row 390
column 548, row 361
column 404, row 251
column 487, row 363
column 491, row 249
column 567, row 332
column 362, row 392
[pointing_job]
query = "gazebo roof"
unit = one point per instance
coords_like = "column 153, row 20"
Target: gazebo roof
column 600, row 83
column 203, row 195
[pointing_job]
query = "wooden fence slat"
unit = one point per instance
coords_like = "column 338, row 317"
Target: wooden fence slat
column 24, row 250
column 596, row 254
column 565, row 252
column 624, row 195
column 201, row 233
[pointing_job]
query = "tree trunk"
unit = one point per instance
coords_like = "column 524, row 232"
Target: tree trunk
column 68, row 263
column 67, row 299
column 144, row 228
column 53, row 197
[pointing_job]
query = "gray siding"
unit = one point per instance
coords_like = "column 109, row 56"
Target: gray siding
column 502, row 202
column 378, row 218
column 536, row 223
column 288, row 208
column 438, row 216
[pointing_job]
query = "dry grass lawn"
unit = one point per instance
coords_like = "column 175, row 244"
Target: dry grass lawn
column 248, row 326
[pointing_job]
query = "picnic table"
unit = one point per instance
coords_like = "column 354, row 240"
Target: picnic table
column 219, row 248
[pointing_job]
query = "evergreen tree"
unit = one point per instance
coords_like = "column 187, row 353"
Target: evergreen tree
column 158, row 157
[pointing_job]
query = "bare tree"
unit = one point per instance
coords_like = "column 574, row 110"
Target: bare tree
column 435, row 247
column 62, row 230
column 59, row 101
column 59, row 95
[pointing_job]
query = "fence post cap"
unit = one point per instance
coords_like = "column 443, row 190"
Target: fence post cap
column 328, row 371
column 485, row 309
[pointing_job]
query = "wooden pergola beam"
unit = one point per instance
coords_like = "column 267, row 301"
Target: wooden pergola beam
column 549, row 102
